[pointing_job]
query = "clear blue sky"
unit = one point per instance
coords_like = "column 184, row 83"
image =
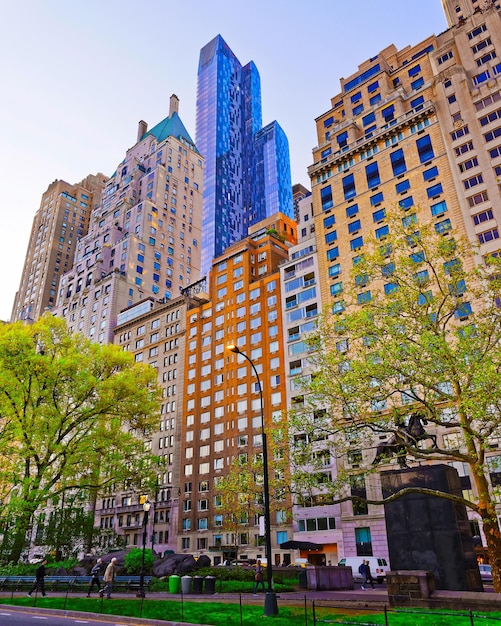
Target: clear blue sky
column 77, row 76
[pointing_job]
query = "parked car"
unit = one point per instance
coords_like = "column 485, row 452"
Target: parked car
column 299, row 563
column 485, row 572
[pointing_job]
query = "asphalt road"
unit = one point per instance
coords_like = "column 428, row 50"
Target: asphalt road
column 21, row 618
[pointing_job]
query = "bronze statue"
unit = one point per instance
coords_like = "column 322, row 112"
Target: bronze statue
column 405, row 436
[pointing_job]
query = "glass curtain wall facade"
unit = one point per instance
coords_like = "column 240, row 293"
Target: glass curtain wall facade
column 272, row 178
column 229, row 120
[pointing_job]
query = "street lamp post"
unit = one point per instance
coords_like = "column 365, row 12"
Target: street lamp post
column 270, row 601
column 146, row 507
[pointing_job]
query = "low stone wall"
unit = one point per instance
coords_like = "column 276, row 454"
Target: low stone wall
column 329, row 578
column 416, row 588
column 406, row 587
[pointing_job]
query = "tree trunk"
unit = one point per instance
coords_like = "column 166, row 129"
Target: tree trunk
column 493, row 540
column 20, row 530
column 89, row 538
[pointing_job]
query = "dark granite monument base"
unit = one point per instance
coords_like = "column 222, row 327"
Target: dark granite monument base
column 429, row 533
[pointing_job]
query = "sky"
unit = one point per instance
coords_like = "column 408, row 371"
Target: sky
column 77, row 76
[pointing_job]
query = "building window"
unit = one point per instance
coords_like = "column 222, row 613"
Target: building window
column 368, row 119
column 406, row 203
column 398, row 162
column 356, row 243
column 414, row 71
column 388, row 114
column 363, row 541
column 485, row 216
column 358, row 489
column 488, row 235
column 331, row 237
column 382, row 232
column 491, row 117
column 352, row 210
column 402, row 186
column 438, row 208
column 430, row 173
column 349, row 187
column 372, row 174
column 443, row 227
column 326, row 198
column 435, row 190
column 354, row 226
column 425, row 149
column 473, row 181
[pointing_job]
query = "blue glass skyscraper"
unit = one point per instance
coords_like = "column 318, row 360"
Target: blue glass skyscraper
column 247, row 168
column 272, row 187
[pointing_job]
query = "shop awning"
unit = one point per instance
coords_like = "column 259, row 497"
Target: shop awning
column 300, row 545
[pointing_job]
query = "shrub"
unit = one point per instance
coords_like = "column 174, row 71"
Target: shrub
column 133, row 560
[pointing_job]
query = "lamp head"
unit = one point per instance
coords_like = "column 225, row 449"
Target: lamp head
column 233, row 348
column 146, row 506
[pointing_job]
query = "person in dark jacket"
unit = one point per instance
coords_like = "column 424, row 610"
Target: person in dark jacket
column 94, row 572
column 39, row 579
column 365, row 570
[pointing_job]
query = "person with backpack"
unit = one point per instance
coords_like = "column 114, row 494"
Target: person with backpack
column 365, row 571
column 258, row 578
column 94, row 572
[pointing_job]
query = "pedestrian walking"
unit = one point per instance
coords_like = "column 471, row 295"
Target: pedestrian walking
column 109, row 577
column 39, row 579
column 365, row 571
column 258, row 578
column 95, row 572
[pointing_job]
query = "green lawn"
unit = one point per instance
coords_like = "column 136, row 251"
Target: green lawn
column 217, row 613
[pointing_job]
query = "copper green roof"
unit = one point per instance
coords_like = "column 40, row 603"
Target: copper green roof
column 171, row 127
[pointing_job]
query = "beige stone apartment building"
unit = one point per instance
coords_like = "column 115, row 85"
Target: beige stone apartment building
column 62, row 219
column 417, row 131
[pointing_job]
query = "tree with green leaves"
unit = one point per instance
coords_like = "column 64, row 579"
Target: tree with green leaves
column 74, row 417
column 239, row 496
column 240, row 493
column 418, row 336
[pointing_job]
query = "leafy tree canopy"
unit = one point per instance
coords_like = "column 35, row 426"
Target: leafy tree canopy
column 74, row 415
column 419, row 333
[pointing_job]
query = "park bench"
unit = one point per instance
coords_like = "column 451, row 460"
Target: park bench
column 16, row 583
column 130, row 583
column 71, row 583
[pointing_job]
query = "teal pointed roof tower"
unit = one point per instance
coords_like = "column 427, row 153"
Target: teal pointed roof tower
column 171, row 126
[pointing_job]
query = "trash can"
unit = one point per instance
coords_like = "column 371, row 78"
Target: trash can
column 198, row 582
column 210, row 584
column 174, row 583
column 303, row 579
column 186, row 584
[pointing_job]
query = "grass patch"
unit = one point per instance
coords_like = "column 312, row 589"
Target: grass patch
column 215, row 613
column 173, row 610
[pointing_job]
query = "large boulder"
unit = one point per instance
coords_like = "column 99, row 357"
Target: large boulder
column 203, row 561
column 174, row 564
